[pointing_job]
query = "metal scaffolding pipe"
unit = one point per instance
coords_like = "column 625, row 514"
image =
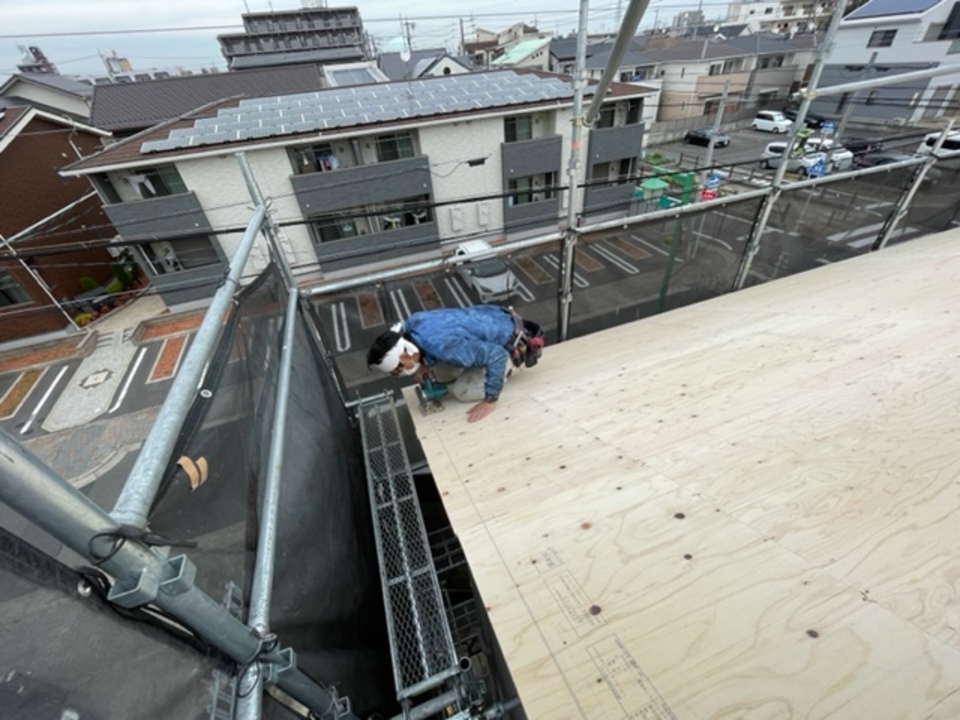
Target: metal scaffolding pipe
column 814, row 93
column 269, row 226
column 261, row 591
column 756, row 232
column 141, row 486
column 568, row 244
column 438, row 264
column 628, row 27
column 142, row 574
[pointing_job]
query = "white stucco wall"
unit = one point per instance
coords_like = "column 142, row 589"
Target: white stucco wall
column 909, row 46
column 50, row 98
column 222, row 192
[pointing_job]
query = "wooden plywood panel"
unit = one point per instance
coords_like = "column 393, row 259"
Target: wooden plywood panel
column 745, row 508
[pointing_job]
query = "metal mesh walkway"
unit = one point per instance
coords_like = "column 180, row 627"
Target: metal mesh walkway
column 420, row 640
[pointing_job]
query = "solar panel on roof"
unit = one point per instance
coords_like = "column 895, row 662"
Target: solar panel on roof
column 879, row 8
column 348, row 106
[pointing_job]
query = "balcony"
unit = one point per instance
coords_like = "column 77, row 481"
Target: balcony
column 159, row 218
column 615, row 143
column 524, row 159
column 362, row 185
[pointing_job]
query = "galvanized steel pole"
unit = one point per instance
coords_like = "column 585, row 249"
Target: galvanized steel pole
column 141, row 487
column 756, row 232
column 261, row 591
column 568, row 243
column 269, row 227
column 142, row 575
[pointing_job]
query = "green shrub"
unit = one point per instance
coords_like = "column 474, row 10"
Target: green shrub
column 114, row 286
column 88, row 283
column 83, row 319
column 121, row 273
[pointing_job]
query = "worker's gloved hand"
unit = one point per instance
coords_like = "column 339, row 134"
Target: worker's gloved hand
column 481, row 410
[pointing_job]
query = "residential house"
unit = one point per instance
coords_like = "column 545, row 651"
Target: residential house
column 365, row 176
column 395, row 67
column 442, row 65
column 47, row 91
column 884, row 39
column 42, row 209
column 693, row 74
column 488, row 46
column 422, row 63
column 128, row 108
column 291, row 37
column 533, row 53
column 781, row 16
column 779, row 65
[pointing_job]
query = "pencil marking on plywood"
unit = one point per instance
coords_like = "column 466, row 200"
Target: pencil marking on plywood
column 623, row 676
column 547, row 560
column 575, row 604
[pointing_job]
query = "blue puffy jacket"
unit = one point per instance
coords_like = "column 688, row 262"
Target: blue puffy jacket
column 465, row 337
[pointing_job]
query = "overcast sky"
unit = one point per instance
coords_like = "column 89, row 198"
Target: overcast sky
column 72, row 32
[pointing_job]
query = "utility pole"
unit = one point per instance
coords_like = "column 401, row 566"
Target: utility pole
column 463, row 43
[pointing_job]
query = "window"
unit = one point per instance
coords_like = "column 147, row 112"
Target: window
column 10, row 292
column 606, row 117
column 881, row 38
column 181, row 254
column 951, row 28
column 768, row 11
column 158, row 182
column 335, row 228
column 533, row 188
column 517, row 128
column 315, row 158
column 395, row 146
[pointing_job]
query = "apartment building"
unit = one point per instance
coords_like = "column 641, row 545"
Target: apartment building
column 364, row 176
column 884, row 39
column 788, row 17
column 289, row 37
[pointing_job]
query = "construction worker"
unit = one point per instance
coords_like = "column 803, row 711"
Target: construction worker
column 471, row 350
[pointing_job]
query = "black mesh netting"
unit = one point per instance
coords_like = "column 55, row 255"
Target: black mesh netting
column 60, row 651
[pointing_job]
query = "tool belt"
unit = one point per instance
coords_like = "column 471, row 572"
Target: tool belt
column 526, row 343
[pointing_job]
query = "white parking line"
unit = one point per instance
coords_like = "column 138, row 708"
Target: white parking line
column 126, row 385
column 608, row 253
column 578, row 279
column 400, row 306
column 459, row 294
column 341, row 331
column 654, row 247
column 524, row 292
column 43, row 400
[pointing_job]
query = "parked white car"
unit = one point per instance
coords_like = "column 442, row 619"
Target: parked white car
column 807, row 155
column 489, row 277
column 771, row 121
column 950, row 144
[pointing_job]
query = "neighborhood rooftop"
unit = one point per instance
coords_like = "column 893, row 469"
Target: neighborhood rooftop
column 333, row 108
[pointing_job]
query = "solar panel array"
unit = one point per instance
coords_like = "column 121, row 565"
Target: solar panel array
column 259, row 118
column 879, row 8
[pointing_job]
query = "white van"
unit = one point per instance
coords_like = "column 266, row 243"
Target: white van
column 771, row 121
column 950, row 144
